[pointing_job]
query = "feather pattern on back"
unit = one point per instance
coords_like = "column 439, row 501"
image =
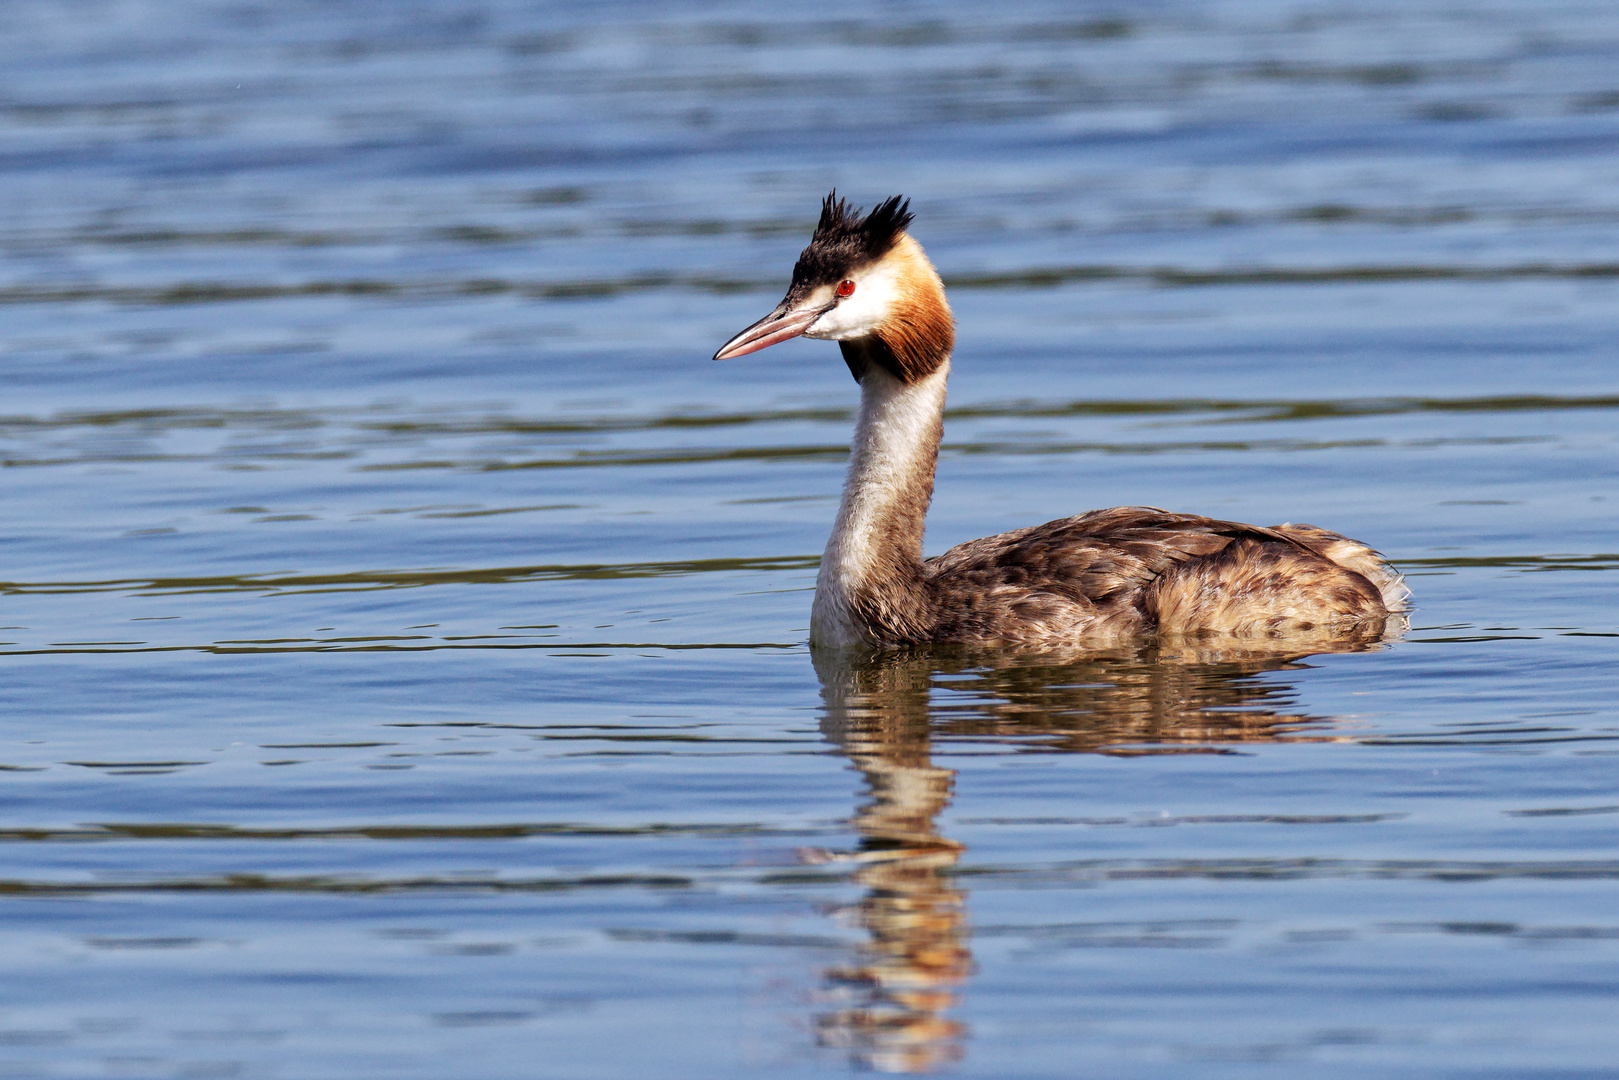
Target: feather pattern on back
column 1132, row 571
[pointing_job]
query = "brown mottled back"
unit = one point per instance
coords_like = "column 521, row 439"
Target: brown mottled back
column 1129, row 571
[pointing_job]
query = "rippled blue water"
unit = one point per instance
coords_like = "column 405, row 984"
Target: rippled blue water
column 403, row 621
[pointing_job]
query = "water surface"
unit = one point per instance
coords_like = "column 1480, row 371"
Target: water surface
column 404, row 623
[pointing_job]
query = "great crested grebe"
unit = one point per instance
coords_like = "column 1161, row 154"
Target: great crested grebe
column 1131, row 571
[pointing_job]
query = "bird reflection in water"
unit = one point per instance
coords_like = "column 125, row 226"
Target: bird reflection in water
column 885, row 710
column 907, row 975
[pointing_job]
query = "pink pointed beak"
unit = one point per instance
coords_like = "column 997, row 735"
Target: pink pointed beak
column 779, row 325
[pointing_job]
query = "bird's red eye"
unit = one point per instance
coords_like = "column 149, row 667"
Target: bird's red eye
column 846, row 288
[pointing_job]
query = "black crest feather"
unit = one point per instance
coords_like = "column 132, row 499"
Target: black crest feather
column 845, row 240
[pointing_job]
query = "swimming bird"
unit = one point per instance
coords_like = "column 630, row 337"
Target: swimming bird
column 1107, row 575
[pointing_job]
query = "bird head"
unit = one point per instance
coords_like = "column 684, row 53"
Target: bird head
column 862, row 277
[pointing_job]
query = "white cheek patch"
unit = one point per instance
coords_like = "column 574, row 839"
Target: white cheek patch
column 859, row 315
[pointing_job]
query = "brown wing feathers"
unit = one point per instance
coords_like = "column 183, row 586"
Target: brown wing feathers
column 1130, row 570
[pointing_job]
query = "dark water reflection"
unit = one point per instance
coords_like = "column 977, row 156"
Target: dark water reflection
column 910, row 973
column 887, row 711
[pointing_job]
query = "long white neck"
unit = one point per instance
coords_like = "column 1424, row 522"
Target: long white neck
column 871, row 571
